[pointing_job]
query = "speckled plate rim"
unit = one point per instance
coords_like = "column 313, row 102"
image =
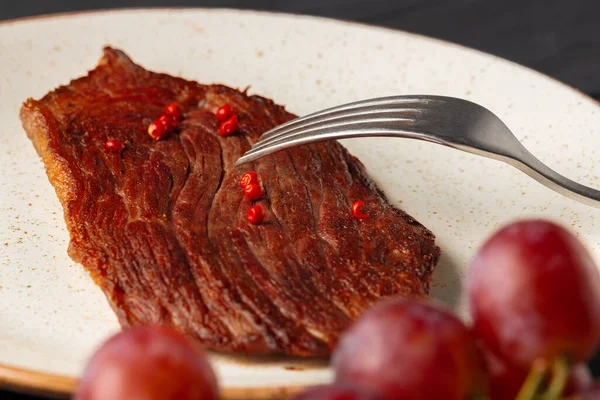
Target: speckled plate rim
column 34, row 381
column 63, row 386
column 68, row 14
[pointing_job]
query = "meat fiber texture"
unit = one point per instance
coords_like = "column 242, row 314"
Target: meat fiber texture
column 161, row 226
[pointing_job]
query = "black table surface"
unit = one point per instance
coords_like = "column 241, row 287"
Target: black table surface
column 560, row 38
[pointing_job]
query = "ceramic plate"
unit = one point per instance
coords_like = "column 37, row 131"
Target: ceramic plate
column 52, row 316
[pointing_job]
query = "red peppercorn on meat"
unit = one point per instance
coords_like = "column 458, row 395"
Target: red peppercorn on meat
column 229, row 126
column 256, row 215
column 114, row 145
column 357, row 210
column 174, row 111
column 248, row 178
column 253, row 191
column 224, row 113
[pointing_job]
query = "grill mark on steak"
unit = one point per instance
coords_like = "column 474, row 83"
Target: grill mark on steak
column 293, row 334
column 222, row 300
column 162, row 226
column 244, row 288
column 326, row 284
column 251, row 295
column 312, row 242
column 298, row 218
column 303, row 292
column 303, row 289
column 335, row 220
column 376, row 278
column 287, row 257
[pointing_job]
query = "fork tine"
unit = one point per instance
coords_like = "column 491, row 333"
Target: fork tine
column 343, row 130
column 358, row 115
column 342, row 122
column 404, row 101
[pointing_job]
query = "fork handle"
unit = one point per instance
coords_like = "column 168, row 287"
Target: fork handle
column 514, row 153
column 490, row 137
column 561, row 184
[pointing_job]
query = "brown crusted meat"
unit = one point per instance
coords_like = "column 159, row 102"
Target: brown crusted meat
column 161, row 226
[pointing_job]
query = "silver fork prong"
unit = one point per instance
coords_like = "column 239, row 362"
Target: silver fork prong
column 404, row 102
column 345, row 129
column 341, row 118
column 319, row 135
column 305, row 122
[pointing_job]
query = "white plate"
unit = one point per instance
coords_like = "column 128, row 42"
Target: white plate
column 51, row 314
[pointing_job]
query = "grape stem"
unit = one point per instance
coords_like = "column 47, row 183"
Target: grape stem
column 560, row 374
column 534, row 380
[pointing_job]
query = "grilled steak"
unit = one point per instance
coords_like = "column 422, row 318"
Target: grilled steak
column 161, row 226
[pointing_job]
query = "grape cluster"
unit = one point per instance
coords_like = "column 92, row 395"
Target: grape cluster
column 534, row 298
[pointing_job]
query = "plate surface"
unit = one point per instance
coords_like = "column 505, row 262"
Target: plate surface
column 51, row 314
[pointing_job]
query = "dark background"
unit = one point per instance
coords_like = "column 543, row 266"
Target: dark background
column 560, row 38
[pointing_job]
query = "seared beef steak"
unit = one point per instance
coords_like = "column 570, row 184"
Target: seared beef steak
column 161, row 226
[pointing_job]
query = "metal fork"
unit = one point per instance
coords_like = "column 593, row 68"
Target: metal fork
column 448, row 121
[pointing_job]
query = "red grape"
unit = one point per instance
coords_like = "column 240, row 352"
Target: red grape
column 534, row 292
column 506, row 379
column 410, row 349
column 336, row 392
column 151, row 363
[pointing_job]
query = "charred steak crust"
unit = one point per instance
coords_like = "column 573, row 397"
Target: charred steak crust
column 161, row 226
